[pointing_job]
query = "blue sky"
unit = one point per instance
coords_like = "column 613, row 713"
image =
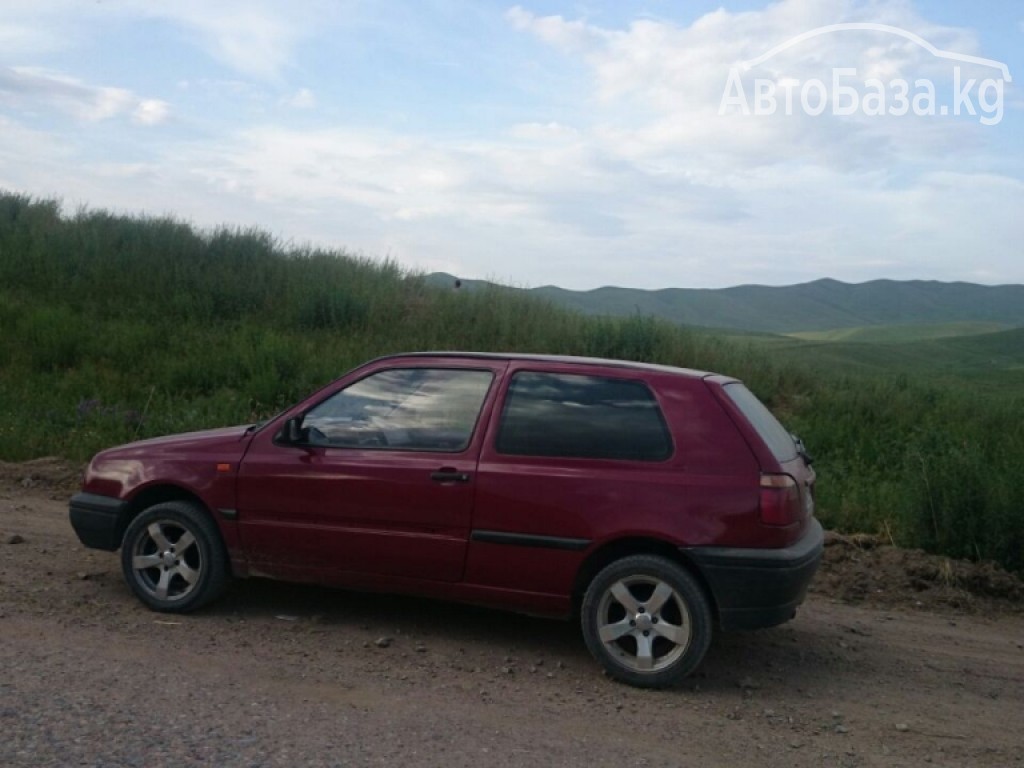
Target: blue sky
column 576, row 144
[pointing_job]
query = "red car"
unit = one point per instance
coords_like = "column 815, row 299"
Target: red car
column 654, row 502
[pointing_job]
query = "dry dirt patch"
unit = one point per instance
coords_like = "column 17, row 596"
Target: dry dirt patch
column 284, row 675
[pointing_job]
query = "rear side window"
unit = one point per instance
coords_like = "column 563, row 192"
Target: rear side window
column 775, row 436
column 584, row 417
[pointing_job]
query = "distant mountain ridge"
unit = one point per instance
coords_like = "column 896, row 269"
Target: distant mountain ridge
column 816, row 306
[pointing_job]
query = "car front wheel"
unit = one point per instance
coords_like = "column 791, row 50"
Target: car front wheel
column 173, row 557
column 647, row 621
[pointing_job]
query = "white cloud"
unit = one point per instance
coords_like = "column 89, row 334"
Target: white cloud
column 21, row 143
column 661, row 84
column 571, row 213
column 552, row 131
column 24, row 39
column 765, row 195
column 225, row 89
column 556, row 30
column 633, row 178
column 254, row 37
column 29, row 88
column 151, row 111
column 147, row 172
column 301, row 99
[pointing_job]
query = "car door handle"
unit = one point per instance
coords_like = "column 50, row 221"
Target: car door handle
column 449, row 476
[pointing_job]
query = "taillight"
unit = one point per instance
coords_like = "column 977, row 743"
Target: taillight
column 780, row 500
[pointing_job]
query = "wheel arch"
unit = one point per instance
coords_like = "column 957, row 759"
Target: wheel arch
column 617, row 549
column 158, row 494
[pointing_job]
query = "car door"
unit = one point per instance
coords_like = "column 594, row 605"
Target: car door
column 381, row 480
column 572, row 454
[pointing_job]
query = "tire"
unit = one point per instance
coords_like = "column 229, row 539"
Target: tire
column 166, row 575
column 647, row 621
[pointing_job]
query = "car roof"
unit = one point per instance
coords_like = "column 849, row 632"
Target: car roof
column 561, row 360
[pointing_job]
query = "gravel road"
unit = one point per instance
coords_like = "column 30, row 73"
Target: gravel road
column 280, row 675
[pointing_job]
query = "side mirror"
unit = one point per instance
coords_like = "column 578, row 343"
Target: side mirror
column 291, row 432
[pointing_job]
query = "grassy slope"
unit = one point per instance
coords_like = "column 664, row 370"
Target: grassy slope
column 113, row 328
column 987, row 362
column 817, row 306
column 894, row 334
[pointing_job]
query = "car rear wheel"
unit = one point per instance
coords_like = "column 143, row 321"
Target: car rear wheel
column 173, row 557
column 647, row 620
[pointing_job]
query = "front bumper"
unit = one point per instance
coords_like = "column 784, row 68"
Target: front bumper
column 97, row 520
column 755, row 588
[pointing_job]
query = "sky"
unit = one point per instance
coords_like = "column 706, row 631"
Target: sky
column 536, row 142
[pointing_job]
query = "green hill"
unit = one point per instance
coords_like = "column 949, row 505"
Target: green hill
column 988, row 362
column 822, row 305
column 114, row 328
column 894, row 334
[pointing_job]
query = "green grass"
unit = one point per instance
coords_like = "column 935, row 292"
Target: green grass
column 894, row 334
column 114, row 328
column 989, row 363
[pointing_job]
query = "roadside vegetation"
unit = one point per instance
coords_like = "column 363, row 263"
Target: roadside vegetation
column 114, row 328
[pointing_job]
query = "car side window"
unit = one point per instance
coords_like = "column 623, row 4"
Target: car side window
column 587, row 417
column 407, row 409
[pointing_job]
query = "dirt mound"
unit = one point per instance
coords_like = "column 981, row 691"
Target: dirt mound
column 863, row 569
column 40, row 475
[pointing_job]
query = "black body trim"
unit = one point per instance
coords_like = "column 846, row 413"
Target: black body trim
column 97, row 520
column 756, row 588
column 530, row 540
column 228, row 514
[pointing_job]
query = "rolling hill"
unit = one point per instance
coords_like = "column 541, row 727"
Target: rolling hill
column 822, row 305
column 992, row 362
column 897, row 334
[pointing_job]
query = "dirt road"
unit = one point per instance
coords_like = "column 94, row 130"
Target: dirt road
column 278, row 675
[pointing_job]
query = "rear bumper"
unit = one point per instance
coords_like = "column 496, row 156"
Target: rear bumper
column 97, row 520
column 756, row 588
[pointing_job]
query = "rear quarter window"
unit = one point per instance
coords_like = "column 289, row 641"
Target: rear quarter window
column 585, row 417
column 775, row 436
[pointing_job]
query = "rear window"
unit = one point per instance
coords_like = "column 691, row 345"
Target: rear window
column 585, row 417
column 775, row 436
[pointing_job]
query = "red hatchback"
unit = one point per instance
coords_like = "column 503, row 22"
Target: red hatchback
column 653, row 502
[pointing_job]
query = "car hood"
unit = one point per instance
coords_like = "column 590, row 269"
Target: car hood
column 207, row 439
column 196, row 461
